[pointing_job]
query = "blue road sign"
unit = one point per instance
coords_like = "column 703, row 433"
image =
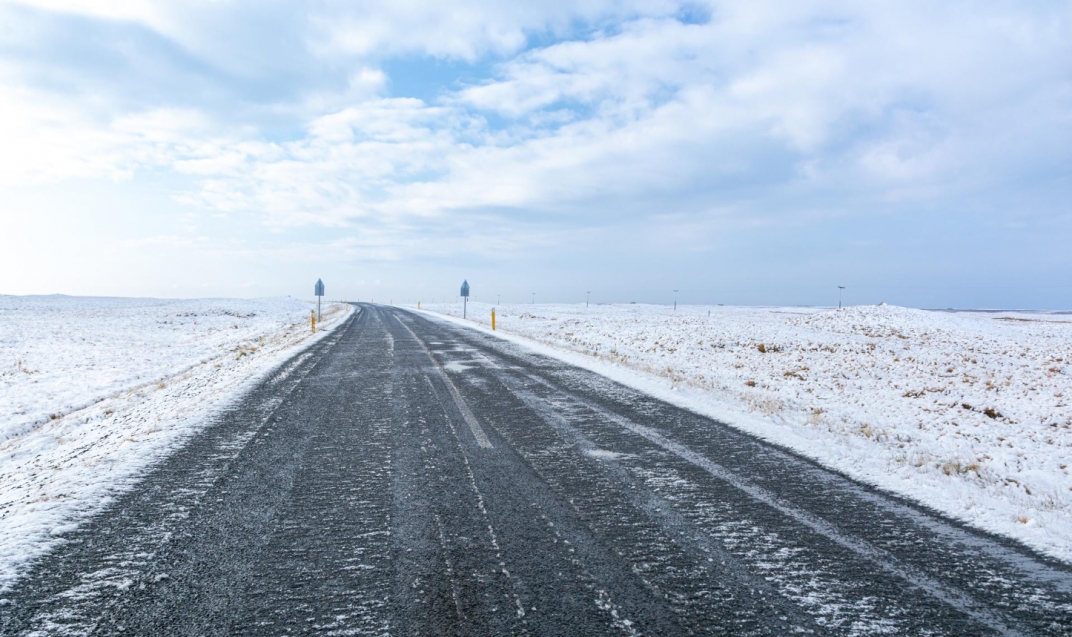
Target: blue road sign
column 319, row 288
column 465, row 289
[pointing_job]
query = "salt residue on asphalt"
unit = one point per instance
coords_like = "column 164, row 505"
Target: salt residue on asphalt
column 94, row 390
column 970, row 413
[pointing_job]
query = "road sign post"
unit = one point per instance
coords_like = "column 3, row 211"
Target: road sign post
column 465, row 298
column 319, row 290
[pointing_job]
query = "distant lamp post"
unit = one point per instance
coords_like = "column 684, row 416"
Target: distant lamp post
column 498, row 299
column 675, row 300
column 587, row 295
column 839, row 289
column 534, row 298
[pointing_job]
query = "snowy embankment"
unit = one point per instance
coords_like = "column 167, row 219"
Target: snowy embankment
column 969, row 413
column 95, row 390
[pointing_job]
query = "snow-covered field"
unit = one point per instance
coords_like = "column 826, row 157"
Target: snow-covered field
column 969, row 413
column 94, row 390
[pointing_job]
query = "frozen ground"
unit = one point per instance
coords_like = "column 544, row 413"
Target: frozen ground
column 970, row 413
column 94, row 390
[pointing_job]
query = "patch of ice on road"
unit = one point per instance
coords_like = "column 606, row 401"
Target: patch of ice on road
column 456, row 366
column 95, row 390
column 967, row 412
column 604, row 454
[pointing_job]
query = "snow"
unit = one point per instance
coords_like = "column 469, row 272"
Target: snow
column 966, row 412
column 93, row 391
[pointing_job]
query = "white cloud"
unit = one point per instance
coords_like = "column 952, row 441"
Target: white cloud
column 461, row 30
column 44, row 139
column 766, row 109
column 145, row 11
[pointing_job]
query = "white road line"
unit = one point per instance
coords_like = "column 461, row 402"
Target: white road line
column 467, row 414
column 494, row 538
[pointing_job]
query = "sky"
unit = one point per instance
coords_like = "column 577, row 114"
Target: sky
column 762, row 152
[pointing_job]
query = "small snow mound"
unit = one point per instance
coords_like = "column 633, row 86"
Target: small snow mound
column 603, row 454
column 879, row 321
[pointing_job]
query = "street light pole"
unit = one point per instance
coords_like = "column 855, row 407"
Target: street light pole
column 587, row 295
column 498, row 298
column 675, row 300
column 534, row 298
column 840, row 288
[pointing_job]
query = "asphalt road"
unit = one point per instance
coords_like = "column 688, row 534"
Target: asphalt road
column 409, row 477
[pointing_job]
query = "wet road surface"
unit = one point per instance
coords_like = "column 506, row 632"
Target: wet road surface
column 409, row 477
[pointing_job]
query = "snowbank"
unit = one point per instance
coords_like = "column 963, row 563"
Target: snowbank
column 970, row 413
column 94, row 390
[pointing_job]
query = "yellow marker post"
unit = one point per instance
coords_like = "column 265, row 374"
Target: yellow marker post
column 312, row 318
column 493, row 319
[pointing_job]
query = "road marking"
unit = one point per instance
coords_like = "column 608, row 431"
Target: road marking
column 467, row 414
column 494, row 538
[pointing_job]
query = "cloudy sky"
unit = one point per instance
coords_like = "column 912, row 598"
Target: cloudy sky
column 918, row 153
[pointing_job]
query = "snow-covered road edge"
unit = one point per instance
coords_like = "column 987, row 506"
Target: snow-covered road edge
column 67, row 470
column 943, row 499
